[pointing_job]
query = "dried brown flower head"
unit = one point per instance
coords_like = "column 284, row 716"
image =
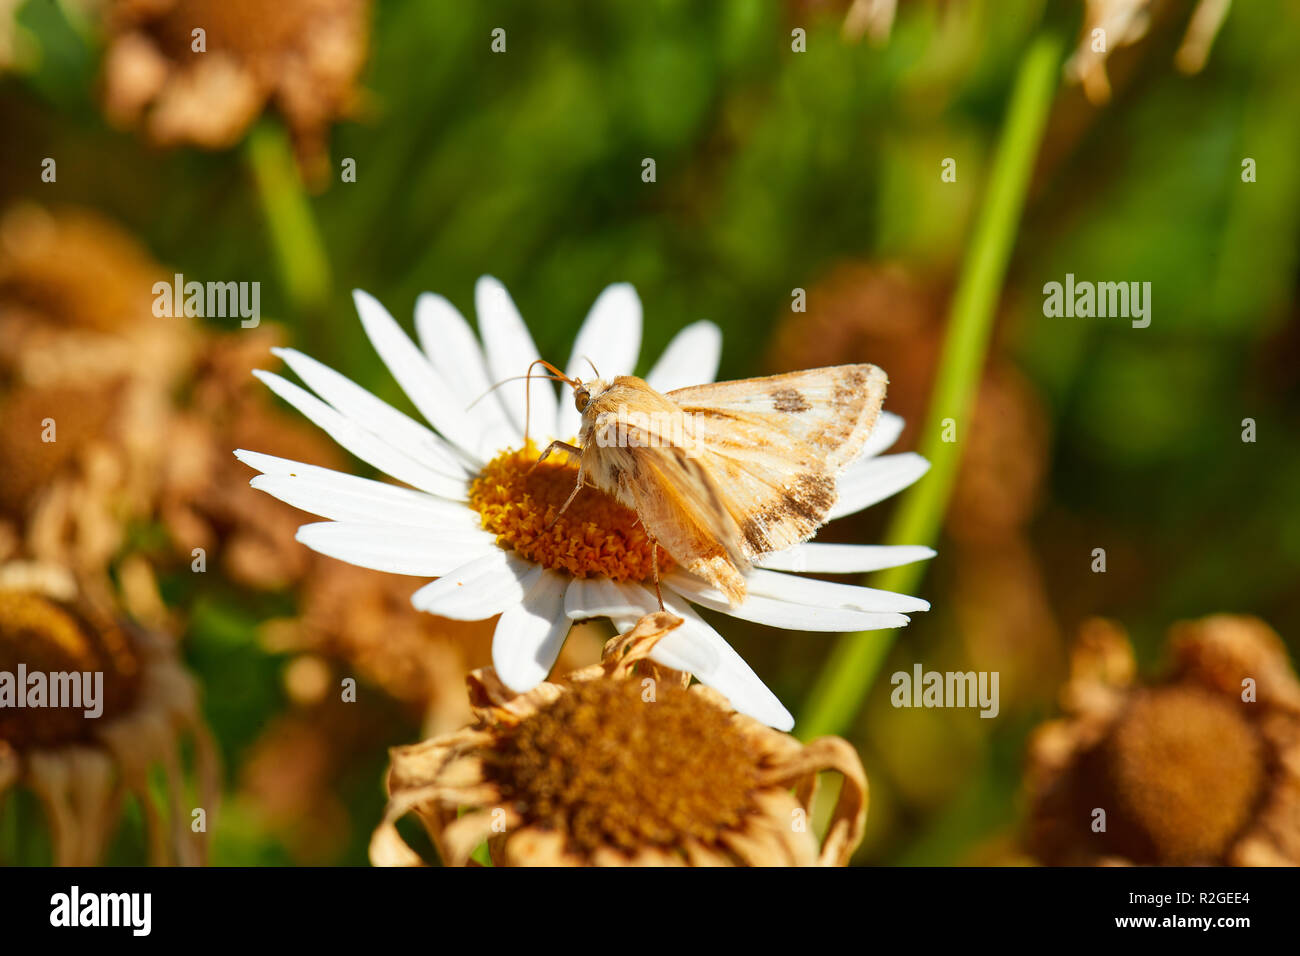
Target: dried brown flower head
column 66, row 269
column 32, row 462
column 87, row 375
column 44, row 636
column 620, row 764
column 81, row 768
column 76, row 305
column 1202, row 767
column 111, row 415
column 301, row 56
column 602, row 767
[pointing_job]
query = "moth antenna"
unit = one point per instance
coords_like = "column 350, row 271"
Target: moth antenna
column 557, row 376
column 528, row 406
column 560, row 376
column 512, row 378
column 528, row 392
column 593, row 365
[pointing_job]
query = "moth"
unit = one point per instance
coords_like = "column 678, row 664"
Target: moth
column 720, row 474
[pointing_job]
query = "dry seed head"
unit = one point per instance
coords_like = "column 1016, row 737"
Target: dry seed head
column 49, row 638
column 605, row 767
column 1188, row 771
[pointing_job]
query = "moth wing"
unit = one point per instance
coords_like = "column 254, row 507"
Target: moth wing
column 772, row 446
column 830, row 412
column 680, row 505
column 774, row 506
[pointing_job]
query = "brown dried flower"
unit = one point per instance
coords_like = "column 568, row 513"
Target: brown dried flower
column 620, row 764
column 87, row 375
column 301, row 56
column 110, row 414
column 1202, row 767
column 81, row 768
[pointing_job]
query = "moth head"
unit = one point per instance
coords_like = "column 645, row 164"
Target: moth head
column 584, row 392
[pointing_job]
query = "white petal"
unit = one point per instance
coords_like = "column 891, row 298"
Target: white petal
column 783, row 614
column 799, row 590
column 610, row 339
column 510, row 351
column 484, row 587
column 603, row 597
column 443, row 410
column 375, row 415
column 691, row 358
column 341, row 497
column 682, row 649
column 886, row 431
column 383, row 547
column 450, row 345
column 842, row 558
column 530, row 634
column 869, row 480
column 366, row 445
column 698, row 648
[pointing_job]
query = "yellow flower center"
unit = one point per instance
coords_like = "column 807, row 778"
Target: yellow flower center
column 48, row 639
column 595, row 537
column 607, row 768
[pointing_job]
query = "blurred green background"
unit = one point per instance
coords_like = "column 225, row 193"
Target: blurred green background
column 779, row 170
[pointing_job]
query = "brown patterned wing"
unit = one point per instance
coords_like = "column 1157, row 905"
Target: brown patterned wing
column 823, row 412
column 772, row 447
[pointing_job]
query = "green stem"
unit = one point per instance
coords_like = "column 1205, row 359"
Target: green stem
column 299, row 251
column 853, row 664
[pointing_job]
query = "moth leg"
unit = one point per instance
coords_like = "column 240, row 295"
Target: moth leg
column 577, row 487
column 654, row 563
column 571, row 449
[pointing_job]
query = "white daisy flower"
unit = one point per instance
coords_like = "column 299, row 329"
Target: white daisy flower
column 475, row 516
